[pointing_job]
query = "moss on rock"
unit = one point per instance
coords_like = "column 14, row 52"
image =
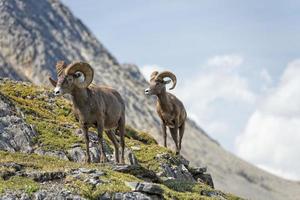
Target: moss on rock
column 55, row 124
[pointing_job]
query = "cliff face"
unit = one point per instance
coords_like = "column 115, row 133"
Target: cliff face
column 35, row 34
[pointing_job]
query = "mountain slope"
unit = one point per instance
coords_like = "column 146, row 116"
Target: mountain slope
column 35, row 34
column 33, row 120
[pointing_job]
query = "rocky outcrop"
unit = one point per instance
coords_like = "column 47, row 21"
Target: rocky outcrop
column 15, row 134
column 54, row 168
column 53, row 193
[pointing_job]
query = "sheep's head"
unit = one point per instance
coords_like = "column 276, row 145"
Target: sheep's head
column 158, row 84
column 75, row 75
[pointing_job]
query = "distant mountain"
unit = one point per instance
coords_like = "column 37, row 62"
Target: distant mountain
column 36, row 34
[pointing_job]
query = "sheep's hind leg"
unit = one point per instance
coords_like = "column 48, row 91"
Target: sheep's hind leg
column 101, row 145
column 112, row 137
column 87, row 141
column 181, row 132
column 174, row 134
column 121, row 129
column 164, row 129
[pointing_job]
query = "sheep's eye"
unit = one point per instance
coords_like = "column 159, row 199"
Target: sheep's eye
column 77, row 75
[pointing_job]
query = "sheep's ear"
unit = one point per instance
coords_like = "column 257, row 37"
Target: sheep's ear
column 167, row 82
column 53, row 82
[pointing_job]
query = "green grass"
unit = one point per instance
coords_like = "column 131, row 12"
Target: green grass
column 52, row 118
column 55, row 124
column 19, row 183
column 140, row 136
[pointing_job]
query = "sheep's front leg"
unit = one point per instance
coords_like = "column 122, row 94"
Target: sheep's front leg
column 181, row 132
column 87, row 142
column 174, row 134
column 101, row 143
column 164, row 130
column 112, row 137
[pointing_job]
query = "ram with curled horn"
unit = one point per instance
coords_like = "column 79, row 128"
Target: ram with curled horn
column 169, row 108
column 94, row 106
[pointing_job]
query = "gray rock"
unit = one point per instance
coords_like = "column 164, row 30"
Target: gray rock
column 57, row 154
column 205, row 178
column 198, row 170
column 25, row 196
column 76, row 145
column 16, row 166
column 182, row 174
column 95, row 153
column 40, row 195
column 149, row 188
column 199, row 174
column 135, row 196
column 61, row 194
column 93, row 181
column 86, row 171
column 15, row 134
column 76, row 154
column 130, row 158
column 9, row 196
column 97, row 174
column 136, row 148
column 167, row 171
column 123, row 168
column 214, row 194
column 183, row 160
column 45, row 176
column 105, row 196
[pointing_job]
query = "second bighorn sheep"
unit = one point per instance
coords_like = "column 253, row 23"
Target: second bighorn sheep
column 101, row 107
column 169, row 108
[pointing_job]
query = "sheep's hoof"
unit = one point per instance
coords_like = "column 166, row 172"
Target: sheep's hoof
column 177, row 153
column 123, row 161
column 103, row 160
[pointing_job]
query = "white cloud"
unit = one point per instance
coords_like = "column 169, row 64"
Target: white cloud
column 226, row 62
column 272, row 135
column 266, row 80
column 148, row 69
column 219, row 80
column 265, row 76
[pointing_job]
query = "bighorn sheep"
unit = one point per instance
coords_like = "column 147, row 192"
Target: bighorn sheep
column 170, row 109
column 101, row 107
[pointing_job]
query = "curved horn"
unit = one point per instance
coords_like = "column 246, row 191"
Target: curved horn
column 170, row 75
column 84, row 68
column 153, row 75
column 60, row 66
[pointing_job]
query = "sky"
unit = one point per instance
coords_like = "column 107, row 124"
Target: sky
column 237, row 64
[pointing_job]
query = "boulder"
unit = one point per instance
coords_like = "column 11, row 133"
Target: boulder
column 76, row 154
column 135, row 196
column 58, row 154
column 130, row 158
column 15, row 133
column 149, row 188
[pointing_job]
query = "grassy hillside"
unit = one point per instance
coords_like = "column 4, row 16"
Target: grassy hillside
column 55, row 125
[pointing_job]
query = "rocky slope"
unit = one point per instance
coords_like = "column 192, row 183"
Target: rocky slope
column 35, row 34
column 42, row 154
